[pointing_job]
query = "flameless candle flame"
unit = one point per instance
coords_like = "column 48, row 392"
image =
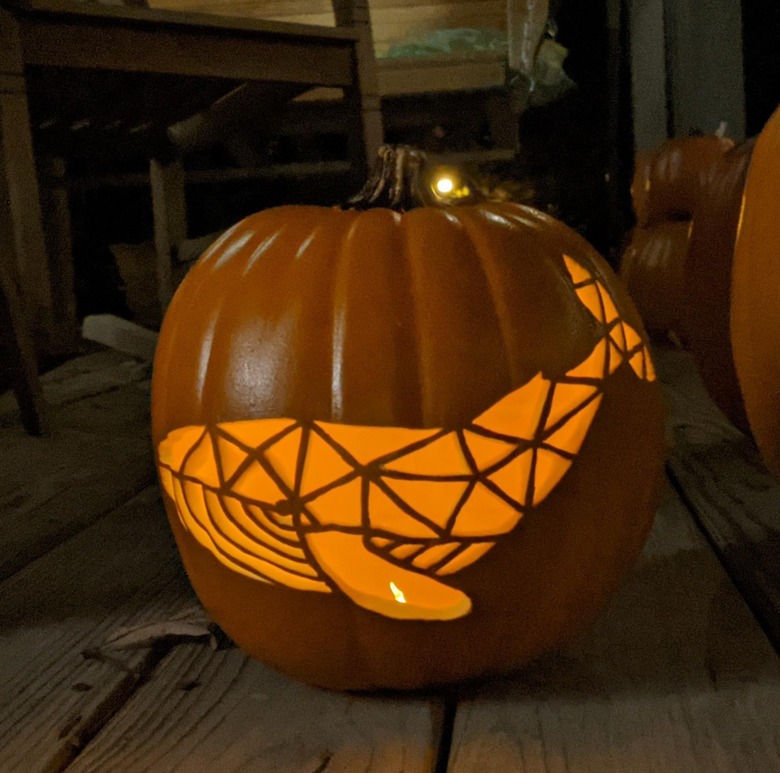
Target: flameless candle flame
column 398, row 593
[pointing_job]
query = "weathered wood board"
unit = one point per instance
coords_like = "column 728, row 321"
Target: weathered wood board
column 392, row 20
column 110, row 38
column 721, row 477
column 218, row 710
column 207, row 711
column 201, row 709
column 675, row 676
column 52, row 487
column 121, row 571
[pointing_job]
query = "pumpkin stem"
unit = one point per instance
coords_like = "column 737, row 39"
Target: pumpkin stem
column 401, row 180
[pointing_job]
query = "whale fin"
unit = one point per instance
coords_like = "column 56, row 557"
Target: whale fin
column 381, row 586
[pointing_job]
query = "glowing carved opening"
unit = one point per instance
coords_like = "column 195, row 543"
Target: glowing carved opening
column 382, row 513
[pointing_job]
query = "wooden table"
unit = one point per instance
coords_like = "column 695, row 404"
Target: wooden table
column 99, row 79
column 679, row 672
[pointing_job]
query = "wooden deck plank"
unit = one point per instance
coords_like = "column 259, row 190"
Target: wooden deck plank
column 675, row 676
column 121, row 571
column 52, row 487
column 90, row 374
column 721, row 477
column 206, row 711
column 201, row 709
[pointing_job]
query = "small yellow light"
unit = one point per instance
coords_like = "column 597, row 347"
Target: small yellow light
column 445, row 185
column 398, row 593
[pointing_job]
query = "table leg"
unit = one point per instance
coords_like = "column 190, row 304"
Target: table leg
column 21, row 356
column 20, row 211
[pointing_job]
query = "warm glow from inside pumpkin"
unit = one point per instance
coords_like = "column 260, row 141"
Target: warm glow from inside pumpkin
column 398, row 593
column 382, row 513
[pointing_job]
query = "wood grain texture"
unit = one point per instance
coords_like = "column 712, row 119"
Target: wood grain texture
column 21, row 231
column 440, row 74
column 281, row 8
column 10, row 52
column 674, row 676
column 122, row 571
column 187, row 50
column 365, row 131
column 56, row 220
column 392, row 20
column 143, row 16
column 52, row 488
column 18, row 348
column 169, row 209
column 206, row 711
column 719, row 473
column 101, row 370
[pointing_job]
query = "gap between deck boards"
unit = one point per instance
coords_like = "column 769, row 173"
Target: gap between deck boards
column 84, row 730
column 732, row 497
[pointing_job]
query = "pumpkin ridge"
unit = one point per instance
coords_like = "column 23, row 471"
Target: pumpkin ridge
column 443, row 264
column 221, row 325
column 486, row 258
column 163, row 355
column 373, row 281
column 411, row 286
column 336, row 335
column 316, row 281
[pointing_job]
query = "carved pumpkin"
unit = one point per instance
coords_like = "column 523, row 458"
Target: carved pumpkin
column 755, row 312
column 669, row 182
column 401, row 448
column 707, row 281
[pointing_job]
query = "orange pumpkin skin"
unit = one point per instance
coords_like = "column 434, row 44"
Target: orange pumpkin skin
column 707, row 282
column 422, row 319
column 652, row 266
column 669, row 182
column 755, row 313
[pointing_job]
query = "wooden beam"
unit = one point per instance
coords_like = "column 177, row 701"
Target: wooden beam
column 208, row 176
column 441, row 74
column 120, row 334
column 18, row 348
column 21, row 229
column 55, row 213
column 214, row 51
column 272, row 9
column 258, row 104
column 152, row 17
column 366, row 130
column 58, row 686
column 169, row 209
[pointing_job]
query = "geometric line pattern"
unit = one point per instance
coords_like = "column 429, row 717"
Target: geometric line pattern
column 382, row 513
